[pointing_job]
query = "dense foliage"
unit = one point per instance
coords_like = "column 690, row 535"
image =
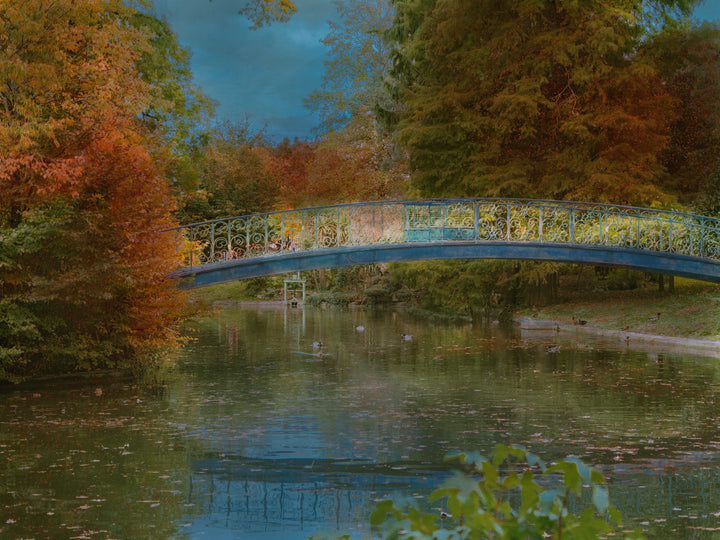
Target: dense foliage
column 514, row 494
column 178, row 114
column 557, row 100
column 237, row 176
column 356, row 163
column 82, row 263
column 688, row 62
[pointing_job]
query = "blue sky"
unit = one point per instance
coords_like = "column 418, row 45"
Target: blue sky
column 263, row 75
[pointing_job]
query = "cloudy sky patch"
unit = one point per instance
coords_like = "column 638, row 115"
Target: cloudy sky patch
column 262, row 75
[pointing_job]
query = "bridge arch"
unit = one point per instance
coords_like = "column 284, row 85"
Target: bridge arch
column 379, row 232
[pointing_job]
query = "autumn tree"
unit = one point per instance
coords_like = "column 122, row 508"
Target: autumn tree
column 532, row 99
column 237, row 177
column 688, row 61
column 357, row 163
column 82, row 262
column 358, row 63
column 535, row 99
column 290, row 168
column 354, row 158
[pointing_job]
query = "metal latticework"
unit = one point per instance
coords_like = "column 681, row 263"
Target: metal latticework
column 450, row 220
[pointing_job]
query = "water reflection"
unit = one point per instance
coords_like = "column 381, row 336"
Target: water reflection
column 262, row 435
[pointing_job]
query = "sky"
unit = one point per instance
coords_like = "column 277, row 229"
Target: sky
column 263, row 75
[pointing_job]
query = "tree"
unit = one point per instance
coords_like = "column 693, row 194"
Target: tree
column 290, row 164
column 82, row 263
column 688, row 61
column 531, row 99
column 262, row 12
column 534, row 99
column 357, row 163
column 358, row 63
column 179, row 113
column 237, row 176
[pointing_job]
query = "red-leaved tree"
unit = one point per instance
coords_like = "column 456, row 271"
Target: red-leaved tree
column 83, row 264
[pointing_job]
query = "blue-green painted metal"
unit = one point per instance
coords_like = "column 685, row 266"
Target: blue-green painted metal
column 363, row 233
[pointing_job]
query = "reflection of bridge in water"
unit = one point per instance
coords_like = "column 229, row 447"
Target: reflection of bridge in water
column 265, row 495
column 270, row 496
column 377, row 232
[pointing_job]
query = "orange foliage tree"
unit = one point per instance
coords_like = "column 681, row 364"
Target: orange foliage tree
column 533, row 99
column 238, row 176
column 688, row 59
column 82, row 263
column 356, row 163
column 289, row 167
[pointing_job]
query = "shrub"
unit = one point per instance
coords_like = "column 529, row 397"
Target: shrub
column 512, row 495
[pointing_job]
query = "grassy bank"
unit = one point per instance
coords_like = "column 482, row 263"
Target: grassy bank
column 692, row 310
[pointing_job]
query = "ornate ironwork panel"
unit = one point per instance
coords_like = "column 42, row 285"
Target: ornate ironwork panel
column 492, row 221
column 390, row 222
column 555, row 224
column 524, row 223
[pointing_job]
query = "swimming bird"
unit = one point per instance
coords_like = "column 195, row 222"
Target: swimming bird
column 553, row 349
column 360, row 328
column 406, row 337
column 654, row 318
column 578, row 321
column 317, row 344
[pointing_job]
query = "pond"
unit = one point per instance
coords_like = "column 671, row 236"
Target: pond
column 259, row 434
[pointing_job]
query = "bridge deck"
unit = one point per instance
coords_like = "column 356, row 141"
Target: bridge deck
column 363, row 233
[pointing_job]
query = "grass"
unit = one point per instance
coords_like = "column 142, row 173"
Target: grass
column 234, row 290
column 692, row 310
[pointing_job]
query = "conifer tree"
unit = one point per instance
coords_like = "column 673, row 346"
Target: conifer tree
column 532, row 99
column 688, row 60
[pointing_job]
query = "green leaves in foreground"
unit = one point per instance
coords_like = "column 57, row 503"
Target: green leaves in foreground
column 511, row 495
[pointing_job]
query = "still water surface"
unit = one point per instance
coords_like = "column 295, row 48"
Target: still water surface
column 260, row 435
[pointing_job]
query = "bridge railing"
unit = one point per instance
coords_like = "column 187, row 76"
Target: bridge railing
column 449, row 220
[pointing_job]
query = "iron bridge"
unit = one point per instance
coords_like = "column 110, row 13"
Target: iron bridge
column 387, row 231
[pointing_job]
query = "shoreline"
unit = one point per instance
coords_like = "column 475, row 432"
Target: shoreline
column 552, row 330
column 545, row 329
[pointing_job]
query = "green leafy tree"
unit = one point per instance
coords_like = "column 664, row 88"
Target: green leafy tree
column 179, row 113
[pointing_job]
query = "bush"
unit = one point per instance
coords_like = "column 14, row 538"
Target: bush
column 512, row 495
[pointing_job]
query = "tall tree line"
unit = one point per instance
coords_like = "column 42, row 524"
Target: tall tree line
column 613, row 100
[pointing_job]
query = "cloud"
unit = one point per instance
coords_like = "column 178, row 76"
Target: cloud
column 708, row 10
column 262, row 74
